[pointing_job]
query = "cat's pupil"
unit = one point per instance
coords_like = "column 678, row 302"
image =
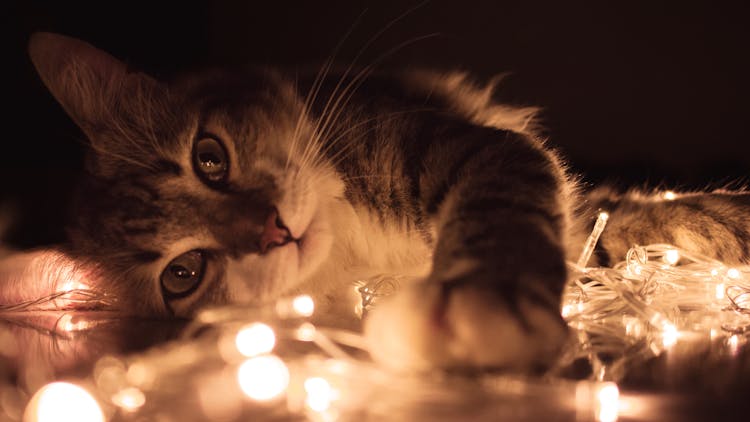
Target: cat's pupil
column 210, row 159
column 181, row 272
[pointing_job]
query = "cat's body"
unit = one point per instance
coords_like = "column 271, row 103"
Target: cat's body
column 244, row 186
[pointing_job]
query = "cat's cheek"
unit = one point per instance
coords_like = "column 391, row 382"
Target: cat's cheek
column 314, row 247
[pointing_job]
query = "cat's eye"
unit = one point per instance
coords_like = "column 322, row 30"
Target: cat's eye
column 183, row 274
column 210, row 159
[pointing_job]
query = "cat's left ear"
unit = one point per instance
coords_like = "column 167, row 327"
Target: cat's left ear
column 86, row 81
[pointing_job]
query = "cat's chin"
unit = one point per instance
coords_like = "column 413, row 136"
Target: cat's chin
column 260, row 278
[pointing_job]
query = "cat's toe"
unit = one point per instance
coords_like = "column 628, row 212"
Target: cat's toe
column 425, row 326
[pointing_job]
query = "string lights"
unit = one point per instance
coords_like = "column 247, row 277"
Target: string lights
column 273, row 363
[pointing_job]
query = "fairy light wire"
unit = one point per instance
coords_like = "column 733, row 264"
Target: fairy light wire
column 631, row 312
column 64, row 300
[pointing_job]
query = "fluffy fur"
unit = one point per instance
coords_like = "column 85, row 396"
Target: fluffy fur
column 416, row 173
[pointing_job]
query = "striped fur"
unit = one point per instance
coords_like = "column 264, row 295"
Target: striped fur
column 416, row 173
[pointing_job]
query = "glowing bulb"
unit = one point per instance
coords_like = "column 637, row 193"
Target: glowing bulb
column 588, row 248
column 130, row 399
column 566, row 310
column 306, row 332
column 263, row 378
column 669, row 195
column 61, row 402
column 733, row 341
column 69, row 286
column 672, row 256
column 255, row 339
column 720, row 291
column 319, row 394
column 303, row 305
column 733, row 273
column 608, row 400
column 669, row 335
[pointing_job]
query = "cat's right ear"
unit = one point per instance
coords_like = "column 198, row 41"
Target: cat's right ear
column 85, row 80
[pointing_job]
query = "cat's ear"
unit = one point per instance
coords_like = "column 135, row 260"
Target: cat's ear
column 85, row 80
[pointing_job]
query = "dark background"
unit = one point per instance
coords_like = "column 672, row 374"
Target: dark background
column 637, row 93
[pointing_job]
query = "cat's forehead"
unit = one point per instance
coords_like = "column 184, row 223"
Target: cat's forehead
column 240, row 94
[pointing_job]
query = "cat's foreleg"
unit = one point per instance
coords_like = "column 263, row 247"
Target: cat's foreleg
column 498, row 202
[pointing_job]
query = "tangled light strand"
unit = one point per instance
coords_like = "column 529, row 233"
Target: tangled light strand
column 61, row 300
column 272, row 363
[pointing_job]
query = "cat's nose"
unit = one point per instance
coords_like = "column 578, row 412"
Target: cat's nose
column 275, row 233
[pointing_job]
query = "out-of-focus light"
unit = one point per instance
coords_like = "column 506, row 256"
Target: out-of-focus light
column 263, row 378
column 71, row 322
column 733, row 273
column 62, row 402
column 255, row 339
column 140, row 375
column 669, row 195
column 566, row 309
column 319, row 394
column 129, row 399
column 635, row 269
column 71, row 285
column 713, row 334
column 633, row 327
column 671, row 256
column 303, row 305
column 608, row 403
column 669, row 335
column 720, row 291
column 306, row 332
column 734, row 343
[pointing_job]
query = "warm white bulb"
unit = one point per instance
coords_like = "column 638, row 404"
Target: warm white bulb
column 608, row 400
column 306, row 332
column 319, row 394
column 720, row 291
column 129, row 399
column 669, row 335
column 255, row 339
column 669, row 195
column 263, row 378
column 733, row 273
column 62, row 402
column 303, row 305
column 672, row 256
column 72, row 322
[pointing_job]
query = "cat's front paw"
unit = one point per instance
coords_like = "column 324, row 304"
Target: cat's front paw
column 438, row 324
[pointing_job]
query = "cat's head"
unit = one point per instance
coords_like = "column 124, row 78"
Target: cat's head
column 209, row 189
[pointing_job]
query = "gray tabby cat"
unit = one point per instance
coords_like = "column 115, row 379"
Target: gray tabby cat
column 245, row 185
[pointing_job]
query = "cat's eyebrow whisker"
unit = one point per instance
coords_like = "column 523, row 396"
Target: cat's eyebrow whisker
column 356, row 82
column 327, row 112
column 333, row 109
column 317, row 84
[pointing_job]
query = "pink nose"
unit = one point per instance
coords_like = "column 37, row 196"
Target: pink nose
column 275, row 233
